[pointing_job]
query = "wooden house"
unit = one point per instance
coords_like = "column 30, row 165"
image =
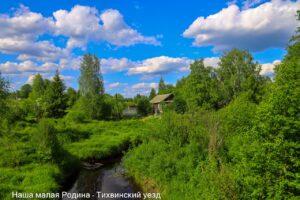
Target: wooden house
column 159, row 100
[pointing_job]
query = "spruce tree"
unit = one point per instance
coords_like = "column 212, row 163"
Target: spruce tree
column 55, row 99
column 152, row 93
column 161, row 86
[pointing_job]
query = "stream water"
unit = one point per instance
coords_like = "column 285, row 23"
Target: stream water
column 109, row 178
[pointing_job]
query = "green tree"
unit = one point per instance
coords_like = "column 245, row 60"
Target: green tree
column 164, row 88
column 179, row 105
column 161, row 85
column 4, row 92
column 24, row 91
column 143, row 106
column 118, row 105
column 90, row 80
column 91, row 88
column 275, row 160
column 152, row 93
column 36, row 96
column 72, row 96
column 201, row 87
column 239, row 73
column 38, row 87
column 55, row 101
column 47, row 142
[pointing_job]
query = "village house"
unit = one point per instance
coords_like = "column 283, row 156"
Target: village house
column 159, row 100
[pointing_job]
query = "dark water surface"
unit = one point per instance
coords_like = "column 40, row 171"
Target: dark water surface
column 109, row 178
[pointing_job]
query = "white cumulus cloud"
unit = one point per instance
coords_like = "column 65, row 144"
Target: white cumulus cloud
column 160, row 65
column 82, row 24
column 27, row 66
column 267, row 69
column 268, row 25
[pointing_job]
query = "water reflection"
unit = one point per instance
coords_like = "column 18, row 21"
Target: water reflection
column 106, row 179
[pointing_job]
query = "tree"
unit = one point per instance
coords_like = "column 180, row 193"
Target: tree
column 55, row 99
column 275, row 160
column 201, row 86
column 143, row 106
column 161, row 86
column 239, row 73
column 36, row 96
column 152, row 93
column 91, row 88
column 90, row 80
column 179, row 105
column 4, row 86
column 24, row 91
column 47, row 142
column 118, row 106
column 38, row 87
column 72, row 97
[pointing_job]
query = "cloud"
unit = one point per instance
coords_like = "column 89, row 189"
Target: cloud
column 114, row 85
column 19, row 35
column 139, row 88
column 211, row 62
column 267, row 69
column 115, row 65
column 268, row 25
column 27, row 67
column 83, row 24
column 21, row 32
column 160, row 65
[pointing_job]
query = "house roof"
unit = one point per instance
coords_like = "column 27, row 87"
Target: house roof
column 160, row 98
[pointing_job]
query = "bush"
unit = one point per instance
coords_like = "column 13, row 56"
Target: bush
column 179, row 105
column 143, row 106
column 47, row 143
column 76, row 116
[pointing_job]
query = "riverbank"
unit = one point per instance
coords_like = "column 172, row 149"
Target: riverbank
column 23, row 169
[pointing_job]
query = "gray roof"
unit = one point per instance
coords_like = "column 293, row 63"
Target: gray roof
column 160, row 98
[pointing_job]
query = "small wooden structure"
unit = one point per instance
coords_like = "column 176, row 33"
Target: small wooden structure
column 158, row 101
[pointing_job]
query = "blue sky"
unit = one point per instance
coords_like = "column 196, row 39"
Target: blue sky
column 138, row 41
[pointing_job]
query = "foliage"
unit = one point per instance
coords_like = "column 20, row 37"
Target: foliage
column 55, row 102
column 180, row 105
column 48, row 145
column 143, row 106
column 239, row 73
column 72, row 97
column 164, row 88
column 90, row 80
column 201, row 88
column 3, row 96
column 152, row 93
column 276, row 129
column 24, row 91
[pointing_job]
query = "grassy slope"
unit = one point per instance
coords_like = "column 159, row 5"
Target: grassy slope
column 21, row 171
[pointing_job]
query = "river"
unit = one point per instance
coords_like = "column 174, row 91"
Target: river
column 109, row 178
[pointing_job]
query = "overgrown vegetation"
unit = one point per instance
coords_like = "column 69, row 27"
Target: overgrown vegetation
column 230, row 132
column 238, row 139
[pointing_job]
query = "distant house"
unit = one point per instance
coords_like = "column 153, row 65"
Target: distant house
column 130, row 111
column 159, row 100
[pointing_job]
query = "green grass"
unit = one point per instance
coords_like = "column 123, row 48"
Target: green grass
column 108, row 138
column 24, row 169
